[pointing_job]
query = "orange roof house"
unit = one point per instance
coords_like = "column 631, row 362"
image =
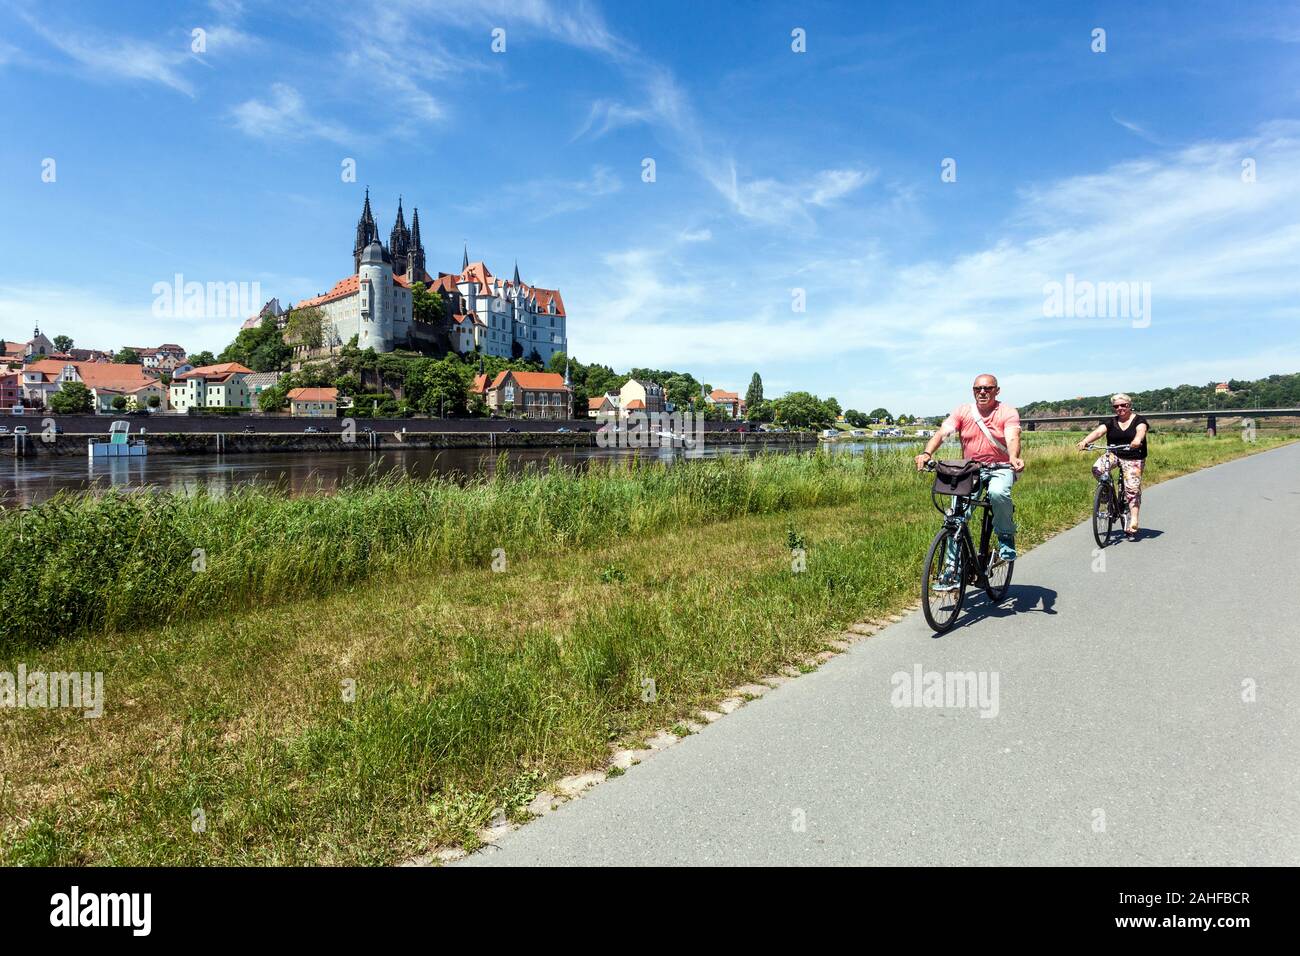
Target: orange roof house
column 218, row 373
column 531, row 394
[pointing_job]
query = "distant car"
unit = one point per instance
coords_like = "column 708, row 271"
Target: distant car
column 563, row 431
column 512, row 429
column 20, row 429
column 311, row 430
column 249, row 429
column 4, row 429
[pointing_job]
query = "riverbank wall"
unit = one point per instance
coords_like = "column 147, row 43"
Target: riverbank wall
column 198, row 443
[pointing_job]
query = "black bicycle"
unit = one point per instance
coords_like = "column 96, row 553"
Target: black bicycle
column 1109, row 503
column 953, row 563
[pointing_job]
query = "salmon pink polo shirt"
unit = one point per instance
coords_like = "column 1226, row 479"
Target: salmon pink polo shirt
column 1002, row 421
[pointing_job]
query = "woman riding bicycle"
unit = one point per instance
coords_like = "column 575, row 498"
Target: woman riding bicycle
column 1123, row 428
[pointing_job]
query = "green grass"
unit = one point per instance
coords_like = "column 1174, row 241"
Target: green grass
column 474, row 688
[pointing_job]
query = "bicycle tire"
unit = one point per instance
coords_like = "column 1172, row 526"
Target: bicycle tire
column 942, row 608
column 1103, row 501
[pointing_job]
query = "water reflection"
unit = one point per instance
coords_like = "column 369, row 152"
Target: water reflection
column 28, row 481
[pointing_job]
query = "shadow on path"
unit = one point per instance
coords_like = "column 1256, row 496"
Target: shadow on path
column 1020, row 599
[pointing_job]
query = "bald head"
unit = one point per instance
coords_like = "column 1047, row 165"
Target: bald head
column 986, row 392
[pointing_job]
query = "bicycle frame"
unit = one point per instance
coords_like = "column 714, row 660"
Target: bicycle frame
column 956, row 519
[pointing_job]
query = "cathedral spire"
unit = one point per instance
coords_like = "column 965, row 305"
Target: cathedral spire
column 399, row 241
column 464, row 263
column 366, row 233
column 516, row 274
column 415, row 250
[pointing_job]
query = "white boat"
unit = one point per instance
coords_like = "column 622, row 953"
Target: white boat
column 118, row 444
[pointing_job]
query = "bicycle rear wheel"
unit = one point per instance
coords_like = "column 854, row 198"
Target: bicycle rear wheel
column 998, row 578
column 941, row 607
column 1103, row 513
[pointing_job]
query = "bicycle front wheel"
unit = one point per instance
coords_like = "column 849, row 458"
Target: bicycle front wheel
column 943, row 585
column 1103, row 514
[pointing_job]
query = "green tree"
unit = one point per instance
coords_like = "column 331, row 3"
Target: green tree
column 127, row 356
column 440, row 387
column 760, row 412
column 754, row 394
column 200, row 359
column 832, row 408
column 801, row 410
column 155, row 401
column 856, row 418
column 62, row 343
column 305, row 327
column 73, row 397
column 119, row 403
column 880, row 414
column 426, row 306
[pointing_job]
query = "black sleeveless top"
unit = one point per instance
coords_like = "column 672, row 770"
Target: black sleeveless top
column 1118, row 435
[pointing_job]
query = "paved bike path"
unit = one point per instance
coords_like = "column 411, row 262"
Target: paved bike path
column 1121, row 736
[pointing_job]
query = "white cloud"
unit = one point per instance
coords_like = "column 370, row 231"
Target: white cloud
column 115, row 57
column 695, row 235
column 285, row 116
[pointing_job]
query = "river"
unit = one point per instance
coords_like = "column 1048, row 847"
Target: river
column 25, row 482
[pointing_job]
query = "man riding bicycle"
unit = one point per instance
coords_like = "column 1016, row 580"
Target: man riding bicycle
column 990, row 434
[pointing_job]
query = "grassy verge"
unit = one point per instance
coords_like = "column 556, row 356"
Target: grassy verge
column 473, row 688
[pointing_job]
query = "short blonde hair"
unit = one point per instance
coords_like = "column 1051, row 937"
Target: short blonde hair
column 1121, row 397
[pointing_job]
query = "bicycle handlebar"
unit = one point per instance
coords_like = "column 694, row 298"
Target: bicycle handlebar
column 932, row 463
column 1108, row 447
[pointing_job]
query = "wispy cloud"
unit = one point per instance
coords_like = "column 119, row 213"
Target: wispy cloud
column 540, row 199
column 284, row 116
column 116, row 57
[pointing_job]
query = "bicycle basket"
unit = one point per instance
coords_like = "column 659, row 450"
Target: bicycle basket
column 959, row 477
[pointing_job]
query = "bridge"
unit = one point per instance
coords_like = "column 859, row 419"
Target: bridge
column 1211, row 416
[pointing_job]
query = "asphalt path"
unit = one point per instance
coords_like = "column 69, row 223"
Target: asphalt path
column 1145, row 714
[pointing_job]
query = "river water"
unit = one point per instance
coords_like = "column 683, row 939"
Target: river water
column 25, row 482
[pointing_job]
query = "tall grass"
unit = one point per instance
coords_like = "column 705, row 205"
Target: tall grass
column 86, row 562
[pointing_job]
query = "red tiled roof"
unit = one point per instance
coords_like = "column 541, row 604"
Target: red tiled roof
column 344, row 287
column 222, row 371
column 313, row 395
column 106, row 375
column 718, row 395
column 635, row 404
column 548, row 380
column 480, row 384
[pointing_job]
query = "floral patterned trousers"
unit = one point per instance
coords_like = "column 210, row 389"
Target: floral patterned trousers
column 1132, row 471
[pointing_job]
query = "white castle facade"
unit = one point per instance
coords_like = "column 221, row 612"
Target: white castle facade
column 482, row 312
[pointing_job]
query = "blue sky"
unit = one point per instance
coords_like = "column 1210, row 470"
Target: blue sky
column 775, row 171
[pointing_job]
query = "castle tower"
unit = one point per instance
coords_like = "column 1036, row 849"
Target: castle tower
column 375, row 282
column 415, row 270
column 399, row 241
column 366, row 233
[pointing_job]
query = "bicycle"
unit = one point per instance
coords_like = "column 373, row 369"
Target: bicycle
column 952, row 563
column 1109, row 503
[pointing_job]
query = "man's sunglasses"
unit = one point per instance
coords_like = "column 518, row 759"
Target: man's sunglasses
column 1123, row 405
column 985, row 388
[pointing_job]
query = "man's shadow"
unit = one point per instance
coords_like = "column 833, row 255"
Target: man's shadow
column 1020, row 599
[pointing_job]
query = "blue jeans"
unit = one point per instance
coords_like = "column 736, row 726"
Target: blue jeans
column 1004, row 525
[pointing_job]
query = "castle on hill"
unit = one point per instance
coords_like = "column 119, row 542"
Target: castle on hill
column 482, row 312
